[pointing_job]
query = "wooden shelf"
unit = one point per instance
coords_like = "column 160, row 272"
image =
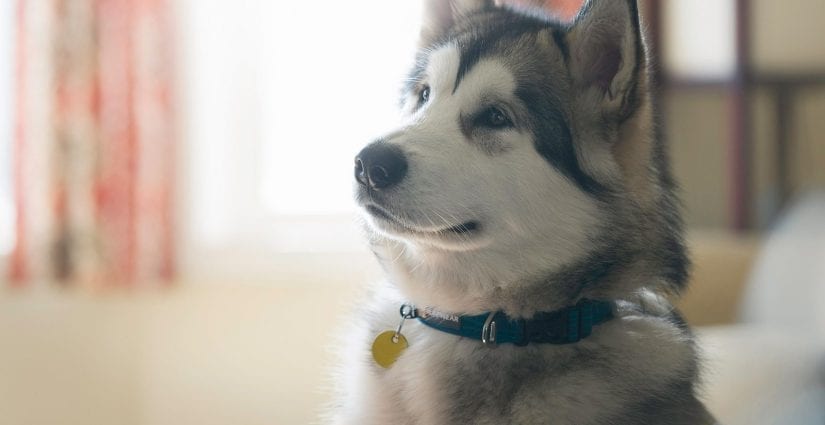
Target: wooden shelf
column 757, row 79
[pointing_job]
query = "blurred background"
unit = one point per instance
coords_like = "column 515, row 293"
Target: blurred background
column 175, row 182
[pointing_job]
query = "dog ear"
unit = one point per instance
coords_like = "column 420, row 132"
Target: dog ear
column 606, row 54
column 440, row 15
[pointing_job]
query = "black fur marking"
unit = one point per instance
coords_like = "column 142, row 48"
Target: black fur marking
column 631, row 100
column 676, row 401
column 677, row 319
column 637, row 29
column 675, row 267
column 501, row 25
column 559, row 37
column 471, row 54
column 554, row 140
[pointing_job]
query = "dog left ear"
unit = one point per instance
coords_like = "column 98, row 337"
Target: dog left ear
column 440, row 15
column 606, row 52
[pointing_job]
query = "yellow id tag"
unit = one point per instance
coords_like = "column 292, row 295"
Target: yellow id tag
column 387, row 347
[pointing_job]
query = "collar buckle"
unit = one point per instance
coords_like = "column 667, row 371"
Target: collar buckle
column 488, row 331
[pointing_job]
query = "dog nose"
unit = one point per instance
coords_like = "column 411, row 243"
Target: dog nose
column 380, row 165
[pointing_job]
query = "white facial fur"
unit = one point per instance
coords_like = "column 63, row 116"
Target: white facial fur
column 532, row 218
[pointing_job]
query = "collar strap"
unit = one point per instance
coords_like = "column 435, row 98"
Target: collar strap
column 566, row 326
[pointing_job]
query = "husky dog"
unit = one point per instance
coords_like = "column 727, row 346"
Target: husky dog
column 528, row 185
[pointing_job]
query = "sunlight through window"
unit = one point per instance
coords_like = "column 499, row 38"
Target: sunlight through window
column 708, row 53
column 7, row 231
column 331, row 81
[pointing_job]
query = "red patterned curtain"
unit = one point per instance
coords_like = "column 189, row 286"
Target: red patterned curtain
column 95, row 143
column 564, row 9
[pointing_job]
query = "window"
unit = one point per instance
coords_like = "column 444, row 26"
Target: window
column 7, row 27
column 330, row 83
column 699, row 38
column 278, row 97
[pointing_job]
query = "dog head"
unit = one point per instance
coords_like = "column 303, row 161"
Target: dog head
column 526, row 161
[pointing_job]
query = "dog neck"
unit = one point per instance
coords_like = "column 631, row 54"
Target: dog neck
column 466, row 284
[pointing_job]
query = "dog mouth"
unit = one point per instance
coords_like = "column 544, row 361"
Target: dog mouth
column 463, row 229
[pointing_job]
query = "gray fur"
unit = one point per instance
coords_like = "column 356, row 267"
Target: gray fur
column 596, row 176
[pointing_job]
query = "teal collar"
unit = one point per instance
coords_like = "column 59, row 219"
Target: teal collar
column 566, row 326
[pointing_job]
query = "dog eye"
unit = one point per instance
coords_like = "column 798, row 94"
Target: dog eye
column 494, row 118
column 424, row 95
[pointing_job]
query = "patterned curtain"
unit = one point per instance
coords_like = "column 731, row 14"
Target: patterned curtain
column 95, row 143
column 564, row 9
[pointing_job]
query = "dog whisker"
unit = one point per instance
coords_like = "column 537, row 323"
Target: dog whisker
column 415, row 267
column 400, row 253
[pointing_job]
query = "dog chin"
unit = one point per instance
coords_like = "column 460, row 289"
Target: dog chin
column 466, row 236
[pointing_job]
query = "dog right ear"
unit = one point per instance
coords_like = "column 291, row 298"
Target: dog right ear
column 607, row 52
column 440, row 15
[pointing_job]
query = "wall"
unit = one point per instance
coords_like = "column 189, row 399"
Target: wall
column 786, row 39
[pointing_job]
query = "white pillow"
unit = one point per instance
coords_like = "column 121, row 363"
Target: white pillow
column 787, row 285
